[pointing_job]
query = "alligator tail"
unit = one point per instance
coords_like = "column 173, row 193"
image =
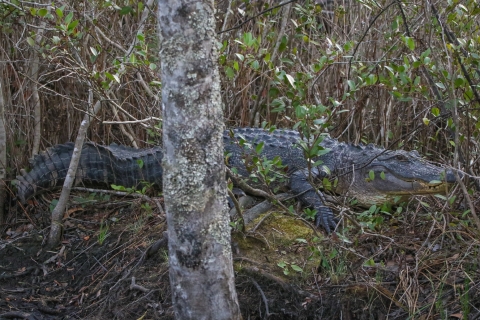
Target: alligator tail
column 104, row 165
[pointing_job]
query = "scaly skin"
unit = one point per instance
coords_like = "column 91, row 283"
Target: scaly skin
column 396, row 173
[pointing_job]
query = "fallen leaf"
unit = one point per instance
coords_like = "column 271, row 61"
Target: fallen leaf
column 72, row 210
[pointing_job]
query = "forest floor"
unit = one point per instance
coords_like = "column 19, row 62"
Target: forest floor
column 413, row 265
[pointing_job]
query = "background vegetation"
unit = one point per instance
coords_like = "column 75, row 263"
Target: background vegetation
column 395, row 73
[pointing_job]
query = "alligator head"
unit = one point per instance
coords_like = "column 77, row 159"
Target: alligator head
column 377, row 175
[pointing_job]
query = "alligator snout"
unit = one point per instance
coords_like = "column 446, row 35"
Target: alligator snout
column 450, row 176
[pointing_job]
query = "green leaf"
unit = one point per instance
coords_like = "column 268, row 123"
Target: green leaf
column 410, row 43
column 69, row 18
column 126, row 10
column 248, row 39
column 327, row 169
column 72, row 25
column 59, row 12
column 321, row 152
column 459, row 82
column 371, row 175
column 118, row 188
column 259, row 147
column 109, row 76
column 452, row 199
column 426, row 121
column 281, row 264
column 296, row 268
column 424, row 204
column 327, row 185
column 435, row 112
column 42, row 12
column 230, row 73
column 30, row 41
column 426, row 53
column 140, row 163
column 53, row 204
column 371, row 79
column 369, row 263
column 351, row 85
column 440, row 85
column 267, row 57
column 382, row 175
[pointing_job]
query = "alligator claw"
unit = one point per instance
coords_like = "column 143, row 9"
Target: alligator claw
column 325, row 218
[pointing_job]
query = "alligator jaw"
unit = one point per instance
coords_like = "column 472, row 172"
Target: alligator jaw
column 423, row 188
column 400, row 196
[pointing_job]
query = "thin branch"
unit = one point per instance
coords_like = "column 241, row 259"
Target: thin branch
column 256, row 16
column 133, row 121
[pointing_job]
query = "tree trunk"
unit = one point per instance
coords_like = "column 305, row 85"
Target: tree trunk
column 57, row 214
column 3, row 147
column 35, row 98
column 201, row 272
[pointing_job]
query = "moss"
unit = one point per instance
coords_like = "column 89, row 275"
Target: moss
column 274, row 242
column 282, row 229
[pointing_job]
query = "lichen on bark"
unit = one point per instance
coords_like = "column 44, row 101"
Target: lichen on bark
column 201, row 272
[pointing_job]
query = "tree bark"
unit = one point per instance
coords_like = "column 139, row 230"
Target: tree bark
column 3, row 147
column 201, row 272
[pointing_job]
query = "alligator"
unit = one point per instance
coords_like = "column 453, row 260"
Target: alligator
column 368, row 173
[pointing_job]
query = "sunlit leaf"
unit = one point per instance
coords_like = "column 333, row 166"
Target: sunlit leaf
column 410, row 43
column 69, row 18
column 382, row 175
column 291, row 80
column 296, row 268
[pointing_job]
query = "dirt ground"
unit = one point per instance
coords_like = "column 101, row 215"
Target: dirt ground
column 422, row 263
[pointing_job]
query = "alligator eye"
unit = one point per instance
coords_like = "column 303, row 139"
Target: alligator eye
column 401, row 157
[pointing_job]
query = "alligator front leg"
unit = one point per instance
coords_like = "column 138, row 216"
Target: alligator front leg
column 309, row 196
